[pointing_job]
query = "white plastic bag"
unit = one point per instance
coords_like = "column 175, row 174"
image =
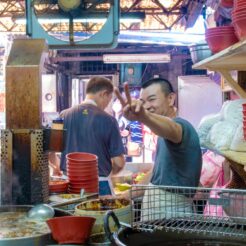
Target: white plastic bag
column 232, row 111
column 238, row 143
column 205, row 125
column 222, row 133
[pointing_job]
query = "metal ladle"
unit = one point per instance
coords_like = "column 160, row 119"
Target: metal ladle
column 41, row 212
column 45, row 211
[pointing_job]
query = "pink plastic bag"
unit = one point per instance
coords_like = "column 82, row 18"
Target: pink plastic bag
column 211, row 168
column 216, row 210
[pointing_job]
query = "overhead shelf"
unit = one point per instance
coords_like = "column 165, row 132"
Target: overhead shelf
column 231, row 58
column 236, row 156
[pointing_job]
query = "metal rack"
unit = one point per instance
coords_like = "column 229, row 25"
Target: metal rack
column 182, row 209
column 24, row 170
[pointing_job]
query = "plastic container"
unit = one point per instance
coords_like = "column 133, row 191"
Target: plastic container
column 123, row 214
column 57, row 124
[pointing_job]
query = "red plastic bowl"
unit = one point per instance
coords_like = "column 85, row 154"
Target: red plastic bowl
column 240, row 28
column 82, row 167
column 83, row 181
column 238, row 4
column 58, row 185
column 239, row 13
column 71, row 229
column 226, row 3
column 220, row 42
column 220, row 34
column 220, row 29
column 238, row 16
column 84, row 173
column 81, row 157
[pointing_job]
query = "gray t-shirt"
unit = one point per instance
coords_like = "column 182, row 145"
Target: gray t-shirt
column 178, row 164
column 90, row 129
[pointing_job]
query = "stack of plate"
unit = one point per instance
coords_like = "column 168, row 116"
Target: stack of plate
column 82, row 171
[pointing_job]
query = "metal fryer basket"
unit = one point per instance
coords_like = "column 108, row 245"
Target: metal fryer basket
column 181, row 209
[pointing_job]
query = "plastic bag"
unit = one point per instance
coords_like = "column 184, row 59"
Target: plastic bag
column 232, row 111
column 238, row 142
column 217, row 210
column 205, row 126
column 222, row 133
column 211, row 168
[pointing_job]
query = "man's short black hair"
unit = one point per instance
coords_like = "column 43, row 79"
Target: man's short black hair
column 98, row 83
column 166, row 86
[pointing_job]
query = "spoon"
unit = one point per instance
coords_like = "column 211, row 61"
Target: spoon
column 45, row 211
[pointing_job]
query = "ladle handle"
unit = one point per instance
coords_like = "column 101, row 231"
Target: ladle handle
column 107, row 230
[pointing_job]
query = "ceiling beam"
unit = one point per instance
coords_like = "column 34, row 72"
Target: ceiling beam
column 157, row 16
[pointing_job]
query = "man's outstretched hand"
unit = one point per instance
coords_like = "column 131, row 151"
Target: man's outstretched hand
column 132, row 108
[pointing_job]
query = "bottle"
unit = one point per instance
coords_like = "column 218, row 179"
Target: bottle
column 57, row 135
column 57, row 124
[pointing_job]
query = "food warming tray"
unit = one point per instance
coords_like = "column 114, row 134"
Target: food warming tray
column 182, row 222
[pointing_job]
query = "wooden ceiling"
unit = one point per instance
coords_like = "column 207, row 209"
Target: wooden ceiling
column 159, row 14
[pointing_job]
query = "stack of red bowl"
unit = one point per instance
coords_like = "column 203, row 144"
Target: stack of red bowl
column 82, row 172
column 58, row 186
column 239, row 18
column 219, row 38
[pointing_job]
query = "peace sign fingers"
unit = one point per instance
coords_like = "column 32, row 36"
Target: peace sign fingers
column 119, row 96
column 123, row 101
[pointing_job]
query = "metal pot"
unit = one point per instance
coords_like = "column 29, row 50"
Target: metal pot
column 199, row 52
column 39, row 240
column 128, row 236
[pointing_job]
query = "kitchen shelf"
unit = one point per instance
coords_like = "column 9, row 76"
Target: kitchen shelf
column 237, row 156
column 231, row 58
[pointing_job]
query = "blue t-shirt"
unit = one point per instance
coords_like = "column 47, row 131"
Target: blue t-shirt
column 90, row 129
column 178, row 164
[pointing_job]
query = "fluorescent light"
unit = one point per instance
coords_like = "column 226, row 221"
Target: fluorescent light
column 136, row 58
column 134, row 17
column 165, row 37
column 57, row 21
column 54, row 21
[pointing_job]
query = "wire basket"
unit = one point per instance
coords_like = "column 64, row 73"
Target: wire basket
column 182, row 209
